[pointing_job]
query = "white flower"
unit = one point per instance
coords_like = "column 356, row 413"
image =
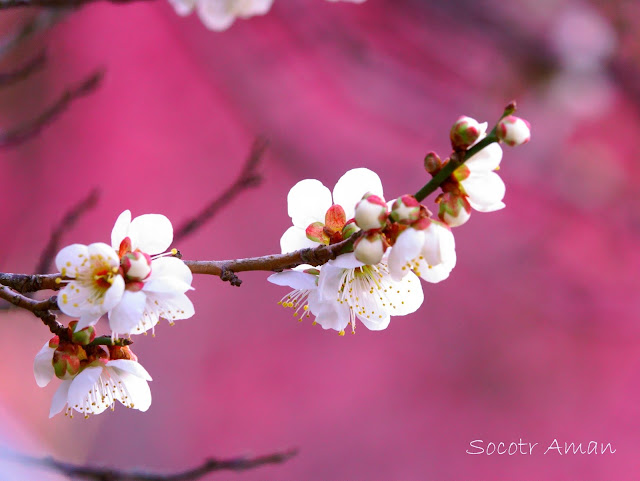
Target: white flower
column 514, row 131
column 97, row 386
column 429, row 252
column 97, row 286
column 220, row 14
column 345, row 289
column 162, row 292
column 482, row 186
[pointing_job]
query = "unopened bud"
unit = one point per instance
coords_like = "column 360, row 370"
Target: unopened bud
column 514, row 131
column 371, row 212
column 136, row 265
column 432, row 163
column 83, row 336
column 454, row 210
column 349, row 229
column 66, row 360
column 370, row 248
column 54, row 342
column 465, row 132
column 122, row 352
column 405, row 210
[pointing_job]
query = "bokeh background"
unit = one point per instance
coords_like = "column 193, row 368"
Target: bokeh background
column 536, row 334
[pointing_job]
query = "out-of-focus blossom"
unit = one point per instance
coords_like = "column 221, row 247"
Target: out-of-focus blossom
column 220, row 14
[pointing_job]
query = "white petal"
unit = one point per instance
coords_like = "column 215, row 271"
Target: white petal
column 60, row 398
column 105, row 252
column 407, row 247
column 253, row 7
column 486, row 160
column 352, row 186
column 183, row 7
column 346, row 261
column 43, row 366
column 139, row 394
column 170, row 275
column 294, row 279
column 114, row 294
column 329, row 313
column 485, row 191
column 120, row 229
column 441, row 256
column 295, row 238
column 73, row 301
column 151, row 233
column 125, row 316
column 377, row 324
column 170, row 307
column 405, row 296
column 70, row 258
column 329, row 282
column 82, row 384
column 132, row 367
column 308, row 202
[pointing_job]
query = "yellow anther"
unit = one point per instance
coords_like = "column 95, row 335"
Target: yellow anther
column 341, row 333
column 306, row 307
column 497, row 168
column 58, row 280
column 314, row 323
column 174, row 251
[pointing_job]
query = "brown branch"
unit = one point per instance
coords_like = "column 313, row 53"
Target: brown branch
column 108, row 474
column 33, row 127
column 32, row 66
column 6, row 4
column 67, row 222
column 41, row 309
column 41, row 22
column 247, row 179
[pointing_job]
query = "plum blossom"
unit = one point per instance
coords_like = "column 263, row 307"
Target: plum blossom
column 132, row 280
column 219, row 15
column 483, row 188
column 426, row 248
column 156, row 286
column 97, row 386
column 344, row 289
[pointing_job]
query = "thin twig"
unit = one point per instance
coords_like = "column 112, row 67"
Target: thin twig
column 33, row 127
column 109, row 474
column 67, row 222
column 247, row 179
column 44, row 20
column 32, row 66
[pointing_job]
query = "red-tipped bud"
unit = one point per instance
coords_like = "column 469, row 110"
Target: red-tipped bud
column 66, row 360
column 454, row 209
column 136, row 266
column 465, row 132
column 432, row 163
column 349, row 229
column 370, row 248
column 122, row 352
column 371, row 212
column 83, row 336
column 513, row 131
column 316, row 233
column 405, row 210
column 54, row 342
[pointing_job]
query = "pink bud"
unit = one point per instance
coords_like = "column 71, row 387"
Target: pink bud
column 432, row 163
column 136, row 266
column 66, row 360
column 371, row 212
column 465, row 132
column 316, row 233
column 405, row 210
column 83, row 336
column 370, row 248
column 454, row 210
column 514, row 131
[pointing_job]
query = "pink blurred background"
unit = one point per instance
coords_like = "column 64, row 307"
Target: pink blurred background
column 535, row 335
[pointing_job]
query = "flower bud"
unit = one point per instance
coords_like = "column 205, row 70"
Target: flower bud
column 432, row 163
column 83, row 336
column 66, row 360
column 454, row 210
column 370, row 248
column 465, row 132
column 349, row 229
column 136, row 265
column 514, row 131
column 405, row 210
column 122, row 352
column 54, row 342
column 371, row 212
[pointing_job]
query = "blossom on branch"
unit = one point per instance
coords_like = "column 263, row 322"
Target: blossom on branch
column 344, row 289
column 100, row 379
